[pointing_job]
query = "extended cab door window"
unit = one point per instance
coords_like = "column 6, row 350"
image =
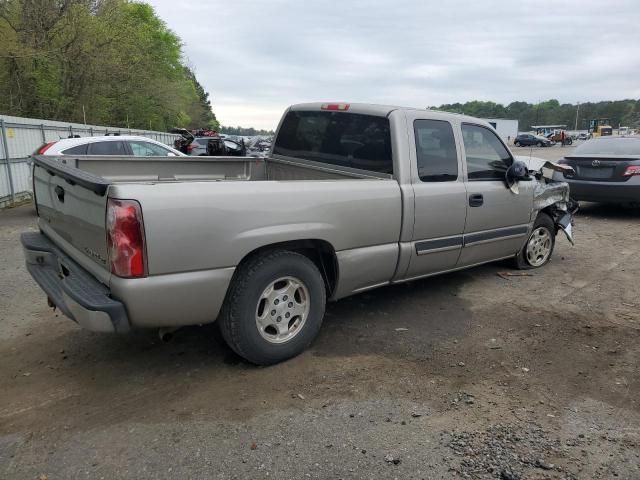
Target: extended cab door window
column 435, row 151
column 487, row 158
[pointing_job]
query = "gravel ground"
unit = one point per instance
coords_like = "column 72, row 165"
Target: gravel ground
column 467, row 375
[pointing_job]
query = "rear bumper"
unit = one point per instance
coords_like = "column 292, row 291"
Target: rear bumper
column 605, row 192
column 71, row 288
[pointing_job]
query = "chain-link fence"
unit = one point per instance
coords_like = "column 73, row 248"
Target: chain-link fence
column 20, row 137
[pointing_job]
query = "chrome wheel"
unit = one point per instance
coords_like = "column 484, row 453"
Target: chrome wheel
column 539, row 247
column 282, row 310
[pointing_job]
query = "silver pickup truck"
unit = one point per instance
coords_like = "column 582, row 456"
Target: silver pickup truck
column 352, row 197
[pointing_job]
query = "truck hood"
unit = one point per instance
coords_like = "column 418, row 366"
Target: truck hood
column 546, row 167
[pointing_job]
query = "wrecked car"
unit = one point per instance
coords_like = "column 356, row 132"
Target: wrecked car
column 208, row 143
column 259, row 146
column 352, row 197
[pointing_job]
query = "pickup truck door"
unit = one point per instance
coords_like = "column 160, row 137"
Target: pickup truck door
column 497, row 219
column 440, row 197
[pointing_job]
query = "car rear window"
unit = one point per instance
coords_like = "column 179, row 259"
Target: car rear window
column 610, row 146
column 77, row 150
column 338, row 138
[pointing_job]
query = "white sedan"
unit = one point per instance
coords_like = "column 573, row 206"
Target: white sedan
column 109, row 145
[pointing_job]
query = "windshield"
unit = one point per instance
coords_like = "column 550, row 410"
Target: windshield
column 610, row 146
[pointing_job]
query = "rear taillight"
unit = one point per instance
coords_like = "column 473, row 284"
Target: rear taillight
column 125, row 238
column 632, row 170
column 44, row 148
column 191, row 147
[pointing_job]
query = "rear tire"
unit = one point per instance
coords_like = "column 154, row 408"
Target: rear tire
column 539, row 144
column 516, row 143
column 538, row 249
column 274, row 307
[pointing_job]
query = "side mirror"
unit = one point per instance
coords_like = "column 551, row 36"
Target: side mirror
column 517, row 172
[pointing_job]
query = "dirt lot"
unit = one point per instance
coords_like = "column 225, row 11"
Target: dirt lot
column 468, row 375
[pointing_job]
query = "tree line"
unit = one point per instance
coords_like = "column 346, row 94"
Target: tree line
column 624, row 113
column 245, row 131
column 106, row 62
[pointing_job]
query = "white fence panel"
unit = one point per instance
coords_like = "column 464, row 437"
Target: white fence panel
column 5, row 190
column 21, row 176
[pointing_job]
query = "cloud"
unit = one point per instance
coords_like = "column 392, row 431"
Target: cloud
column 257, row 58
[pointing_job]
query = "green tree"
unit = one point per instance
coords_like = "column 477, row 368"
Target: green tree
column 115, row 58
column 549, row 112
column 245, row 131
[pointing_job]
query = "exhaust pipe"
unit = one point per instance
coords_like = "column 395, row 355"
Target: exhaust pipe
column 166, row 334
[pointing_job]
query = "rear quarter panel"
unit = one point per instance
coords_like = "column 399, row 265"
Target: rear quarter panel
column 208, row 225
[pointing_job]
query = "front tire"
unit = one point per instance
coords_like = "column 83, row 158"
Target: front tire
column 539, row 246
column 274, row 307
column 539, row 144
column 516, row 143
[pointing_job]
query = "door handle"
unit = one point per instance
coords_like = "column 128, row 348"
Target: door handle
column 476, row 200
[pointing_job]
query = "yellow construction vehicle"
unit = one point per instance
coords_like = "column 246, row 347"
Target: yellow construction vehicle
column 600, row 127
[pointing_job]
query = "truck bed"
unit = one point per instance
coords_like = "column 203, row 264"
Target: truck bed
column 206, row 213
column 172, row 169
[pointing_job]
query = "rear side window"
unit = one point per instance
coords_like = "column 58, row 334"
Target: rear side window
column 147, row 149
column 487, row 158
column 436, row 151
column 345, row 139
column 77, row 150
column 107, row 148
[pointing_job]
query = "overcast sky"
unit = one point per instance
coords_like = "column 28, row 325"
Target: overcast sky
column 255, row 57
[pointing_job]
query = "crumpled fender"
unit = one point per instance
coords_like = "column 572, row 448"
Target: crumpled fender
column 551, row 195
column 547, row 194
column 554, row 196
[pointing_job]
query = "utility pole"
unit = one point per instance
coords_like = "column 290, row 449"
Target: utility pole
column 577, row 110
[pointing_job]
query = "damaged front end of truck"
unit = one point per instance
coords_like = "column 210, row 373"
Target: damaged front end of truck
column 551, row 196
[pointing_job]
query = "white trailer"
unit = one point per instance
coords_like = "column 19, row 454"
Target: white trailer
column 506, row 128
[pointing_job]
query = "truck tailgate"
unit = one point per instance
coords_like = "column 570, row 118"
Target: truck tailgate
column 72, row 204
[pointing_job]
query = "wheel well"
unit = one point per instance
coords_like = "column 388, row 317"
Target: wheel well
column 548, row 210
column 551, row 213
column 320, row 252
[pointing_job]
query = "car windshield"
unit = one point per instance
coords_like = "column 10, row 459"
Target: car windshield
column 610, row 146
